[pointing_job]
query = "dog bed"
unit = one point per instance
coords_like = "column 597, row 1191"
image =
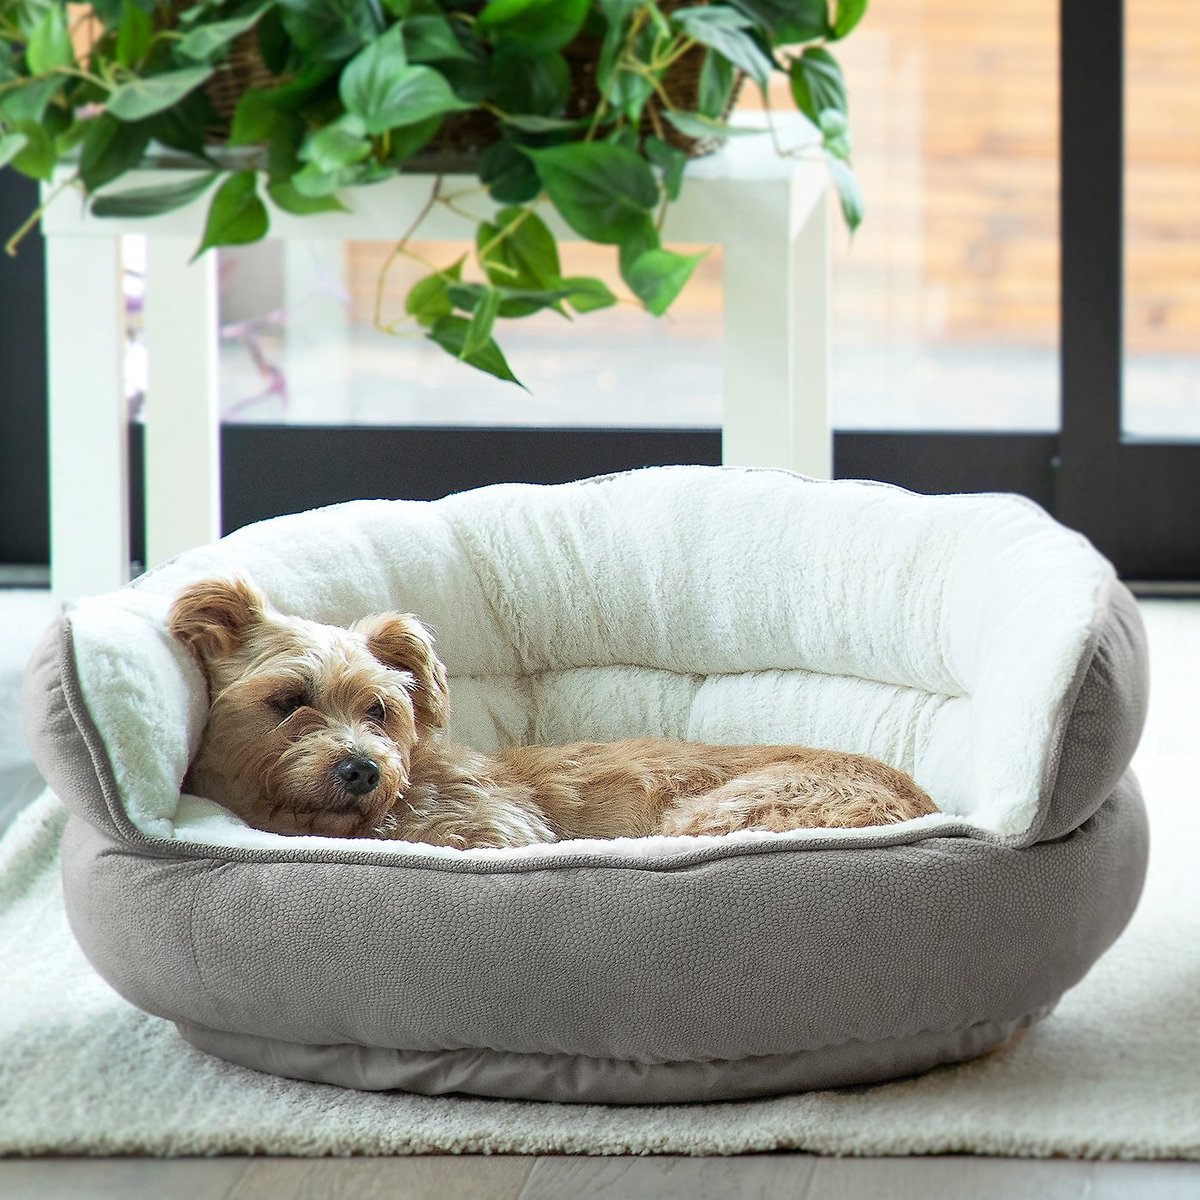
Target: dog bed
column 969, row 640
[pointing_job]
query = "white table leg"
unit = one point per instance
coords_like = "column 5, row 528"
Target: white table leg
column 812, row 418
column 89, row 429
column 183, row 477
column 777, row 330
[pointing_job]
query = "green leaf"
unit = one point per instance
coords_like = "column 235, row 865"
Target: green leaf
column 832, row 123
column 508, row 174
column 716, row 84
column 184, row 125
column 135, row 32
column 479, row 329
column 428, row 299
column 529, row 87
column 849, row 13
column 236, row 215
column 191, row 14
column 254, row 118
column 602, row 191
column 274, row 45
column 408, row 139
column 420, row 93
column 205, row 41
column 151, row 201
column 532, row 27
column 536, row 124
column 670, row 160
column 66, row 132
column 429, row 37
column 144, row 97
column 519, row 254
column 527, row 250
column 465, row 295
column 306, row 89
column 469, row 79
column 110, row 148
column 626, row 90
column 283, row 149
column 616, row 14
column 616, row 11
column 848, row 193
column 328, row 32
column 50, row 43
column 29, row 103
column 817, row 83
column 789, row 21
column 628, row 93
column 698, row 126
column 36, row 158
column 450, row 333
column 340, row 144
column 585, row 294
column 726, row 32
column 626, row 136
column 61, row 125
column 11, row 144
column 521, row 301
column 379, row 86
column 657, row 276
column 514, row 302
column 835, row 134
column 660, row 23
column 315, row 183
column 637, row 242
column 283, row 194
column 369, row 74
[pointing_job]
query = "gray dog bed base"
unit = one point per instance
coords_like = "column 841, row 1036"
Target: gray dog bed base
column 968, row 640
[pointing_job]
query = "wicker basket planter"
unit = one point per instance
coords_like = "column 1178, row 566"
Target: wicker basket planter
column 463, row 136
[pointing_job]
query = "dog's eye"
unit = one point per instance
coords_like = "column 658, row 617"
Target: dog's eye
column 377, row 713
column 287, row 703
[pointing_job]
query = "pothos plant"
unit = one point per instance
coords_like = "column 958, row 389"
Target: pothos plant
column 349, row 92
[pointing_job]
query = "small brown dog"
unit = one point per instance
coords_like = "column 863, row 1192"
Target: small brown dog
column 315, row 729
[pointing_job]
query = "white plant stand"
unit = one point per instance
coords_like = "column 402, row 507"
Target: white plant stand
column 769, row 213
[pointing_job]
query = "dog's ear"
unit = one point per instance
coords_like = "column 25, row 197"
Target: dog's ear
column 213, row 616
column 400, row 641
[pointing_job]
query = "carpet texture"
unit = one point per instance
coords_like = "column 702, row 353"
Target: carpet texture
column 1111, row 1074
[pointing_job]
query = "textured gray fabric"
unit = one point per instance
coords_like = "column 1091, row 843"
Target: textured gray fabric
column 749, row 956
column 604, row 1080
column 695, row 975
column 64, row 741
column 1101, row 728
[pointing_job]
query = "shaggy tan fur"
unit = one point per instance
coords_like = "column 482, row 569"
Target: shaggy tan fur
column 317, row 729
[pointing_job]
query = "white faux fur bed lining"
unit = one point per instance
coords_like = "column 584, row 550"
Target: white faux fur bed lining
column 940, row 634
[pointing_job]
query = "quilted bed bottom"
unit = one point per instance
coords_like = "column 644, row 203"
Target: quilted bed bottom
column 574, row 1078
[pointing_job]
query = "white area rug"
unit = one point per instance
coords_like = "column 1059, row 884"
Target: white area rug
column 1113, row 1073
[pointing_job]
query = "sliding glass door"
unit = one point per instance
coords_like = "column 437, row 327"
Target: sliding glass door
column 1129, row 461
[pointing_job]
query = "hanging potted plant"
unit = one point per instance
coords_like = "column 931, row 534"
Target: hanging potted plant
column 591, row 106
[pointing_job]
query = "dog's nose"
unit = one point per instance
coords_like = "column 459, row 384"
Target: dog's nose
column 358, row 775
